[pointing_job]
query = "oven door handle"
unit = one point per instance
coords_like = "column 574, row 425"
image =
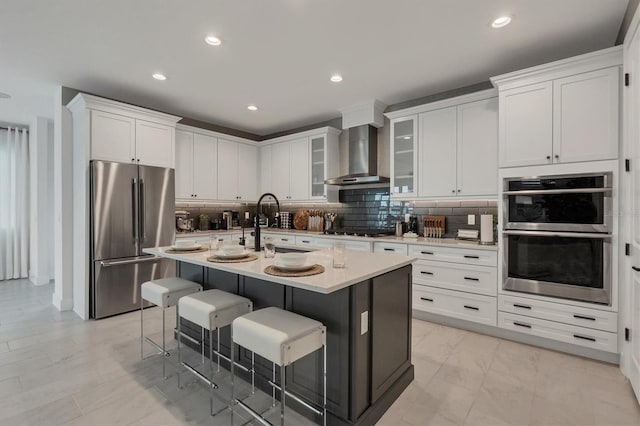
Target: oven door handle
column 558, row 191
column 558, row 234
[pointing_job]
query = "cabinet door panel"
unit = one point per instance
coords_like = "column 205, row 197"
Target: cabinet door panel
column 248, row 174
column 154, row 144
column 299, row 166
column 280, row 171
column 227, row 170
column 112, row 137
column 526, row 120
column 438, row 152
column 266, row 163
column 205, row 165
column 477, row 157
column 318, row 166
column 184, row 164
column 403, row 165
column 586, row 119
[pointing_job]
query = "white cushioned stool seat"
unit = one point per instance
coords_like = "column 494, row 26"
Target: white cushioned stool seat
column 213, row 309
column 280, row 336
column 166, row 292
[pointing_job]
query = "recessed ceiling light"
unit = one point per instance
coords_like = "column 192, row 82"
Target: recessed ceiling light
column 213, row 40
column 4, row 95
column 252, row 108
column 336, row 78
column 159, row 76
column 501, row 21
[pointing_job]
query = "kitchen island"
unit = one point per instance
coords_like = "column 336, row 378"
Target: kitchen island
column 366, row 308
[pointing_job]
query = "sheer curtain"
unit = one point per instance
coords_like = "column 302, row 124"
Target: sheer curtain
column 14, row 203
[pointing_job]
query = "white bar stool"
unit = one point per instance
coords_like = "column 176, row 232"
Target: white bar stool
column 212, row 310
column 163, row 292
column 281, row 337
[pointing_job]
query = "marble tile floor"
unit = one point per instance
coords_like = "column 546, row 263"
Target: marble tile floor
column 57, row 369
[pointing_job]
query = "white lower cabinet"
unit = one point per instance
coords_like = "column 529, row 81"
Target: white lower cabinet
column 592, row 328
column 394, row 248
column 304, row 240
column 587, row 337
column 348, row 244
column 457, row 282
column 456, row 304
column 468, row 278
column 281, row 238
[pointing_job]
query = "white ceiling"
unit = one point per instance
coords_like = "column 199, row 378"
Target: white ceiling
column 279, row 54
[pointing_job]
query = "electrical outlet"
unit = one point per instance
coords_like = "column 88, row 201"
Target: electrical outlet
column 364, row 322
column 471, row 219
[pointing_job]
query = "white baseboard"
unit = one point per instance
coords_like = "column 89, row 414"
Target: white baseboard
column 39, row 279
column 62, row 304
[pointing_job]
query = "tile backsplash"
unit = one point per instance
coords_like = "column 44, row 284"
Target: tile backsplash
column 367, row 208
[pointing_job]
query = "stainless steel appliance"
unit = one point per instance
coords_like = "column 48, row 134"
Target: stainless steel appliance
column 132, row 208
column 557, row 236
column 183, row 223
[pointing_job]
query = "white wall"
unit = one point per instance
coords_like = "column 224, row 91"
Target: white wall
column 63, row 199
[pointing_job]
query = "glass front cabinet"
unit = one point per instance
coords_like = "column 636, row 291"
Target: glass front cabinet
column 404, row 157
column 324, row 161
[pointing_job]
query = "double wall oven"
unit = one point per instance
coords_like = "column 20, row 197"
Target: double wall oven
column 557, row 236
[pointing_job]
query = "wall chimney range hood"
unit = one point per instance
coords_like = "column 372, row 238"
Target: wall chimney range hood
column 361, row 121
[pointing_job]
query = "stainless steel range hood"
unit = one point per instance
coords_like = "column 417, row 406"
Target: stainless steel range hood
column 363, row 144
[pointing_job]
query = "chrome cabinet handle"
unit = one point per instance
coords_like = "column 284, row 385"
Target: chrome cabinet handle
column 106, row 264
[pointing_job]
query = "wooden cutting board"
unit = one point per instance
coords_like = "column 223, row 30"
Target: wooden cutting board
column 301, row 220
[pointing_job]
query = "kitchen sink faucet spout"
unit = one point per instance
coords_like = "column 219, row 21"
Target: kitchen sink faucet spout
column 256, row 238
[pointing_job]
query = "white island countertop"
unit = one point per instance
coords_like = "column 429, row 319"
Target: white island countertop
column 360, row 266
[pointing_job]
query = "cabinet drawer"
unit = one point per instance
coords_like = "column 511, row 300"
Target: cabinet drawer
column 281, row 238
column 456, row 304
column 390, row 248
column 304, row 240
column 581, row 336
column 469, row 278
column 573, row 315
column 455, row 255
column 349, row 244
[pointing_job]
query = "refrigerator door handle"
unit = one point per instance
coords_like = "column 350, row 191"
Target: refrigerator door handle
column 143, row 231
column 108, row 263
column 134, row 207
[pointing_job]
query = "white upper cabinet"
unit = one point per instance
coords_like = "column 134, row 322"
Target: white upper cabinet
column 113, row 137
column 299, row 166
column 295, row 167
column 586, row 116
column 154, row 144
column 459, row 150
column 196, row 166
column 563, row 112
column 404, row 154
column 526, row 123
column 437, row 164
column 280, row 170
column 325, row 162
column 247, row 172
column 237, row 176
column 266, row 169
column 184, row 165
column 125, row 133
column 477, row 155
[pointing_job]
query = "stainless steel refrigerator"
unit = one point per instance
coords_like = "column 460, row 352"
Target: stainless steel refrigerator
column 132, row 208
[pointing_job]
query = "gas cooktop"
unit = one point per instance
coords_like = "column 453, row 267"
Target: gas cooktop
column 374, row 233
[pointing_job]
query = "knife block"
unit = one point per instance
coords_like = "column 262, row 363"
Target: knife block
column 434, row 226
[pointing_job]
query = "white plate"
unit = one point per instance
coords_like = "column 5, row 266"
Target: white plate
column 221, row 255
column 186, row 248
column 295, row 268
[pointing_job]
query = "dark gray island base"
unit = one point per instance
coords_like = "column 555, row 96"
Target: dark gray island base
column 366, row 369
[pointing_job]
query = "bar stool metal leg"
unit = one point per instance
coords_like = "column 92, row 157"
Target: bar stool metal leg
column 141, row 328
column 324, row 385
column 218, row 352
column 164, row 351
column 273, row 388
column 283, row 370
column 179, row 347
column 211, row 370
column 232, row 398
column 253, row 373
